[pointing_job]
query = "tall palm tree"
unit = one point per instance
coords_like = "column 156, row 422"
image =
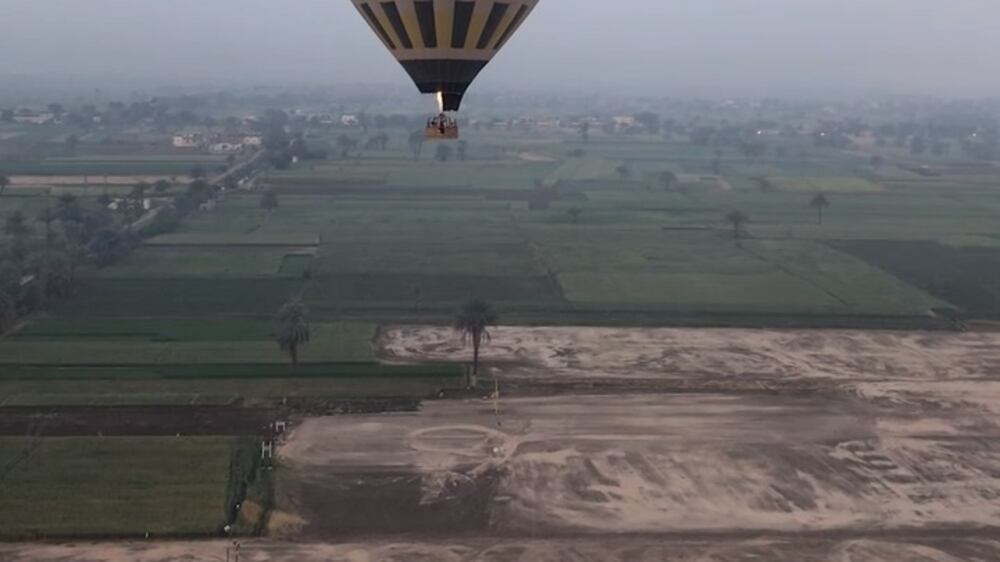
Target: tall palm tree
column 8, row 310
column 269, row 201
column 668, row 179
column 4, row 182
column 737, row 218
column 67, row 208
column 819, row 202
column 58, row 275
column 48, row 216
column 473, row 320
column 292, row 330
column 16, row 225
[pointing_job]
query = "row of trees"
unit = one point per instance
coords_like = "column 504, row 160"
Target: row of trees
column 45, row 253
column 738, row 219
column 473, row 321
column 735, row 218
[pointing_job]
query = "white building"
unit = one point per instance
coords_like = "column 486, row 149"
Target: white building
column 253, row 140
column 28, row 117
column 350, row 121
column 189, row 140
column 225, row 148
column 624, row 122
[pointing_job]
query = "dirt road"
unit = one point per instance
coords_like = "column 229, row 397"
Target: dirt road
column 630, row 549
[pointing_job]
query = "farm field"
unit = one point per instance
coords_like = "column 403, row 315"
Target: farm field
column 606, row 247
column 96, row 167
column 114, row 486
column 137, row 342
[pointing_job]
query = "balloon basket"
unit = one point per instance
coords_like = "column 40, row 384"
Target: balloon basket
column 441, row 127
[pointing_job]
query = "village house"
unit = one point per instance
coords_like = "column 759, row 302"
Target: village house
column 225, row 148
column 189, row 140
column 29, row 117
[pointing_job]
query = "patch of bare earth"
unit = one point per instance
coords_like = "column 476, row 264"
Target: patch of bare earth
column 610, row 549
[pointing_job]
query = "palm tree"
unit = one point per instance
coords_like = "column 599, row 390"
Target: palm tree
column 139, row 191
column 473, row 320
column 58, row 275
column 462, row 150
column 16, row 225
column 819, row 202
column 292, row 328
column 668, row 179
column 161, row 186
column 416, row 142
column 8, row 310
column 443, row 152
column 269, row 201
column 4, row 182
column 68, row 208
column 737, row 219
column 47, row 216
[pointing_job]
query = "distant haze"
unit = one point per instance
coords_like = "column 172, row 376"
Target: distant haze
column 656, row 47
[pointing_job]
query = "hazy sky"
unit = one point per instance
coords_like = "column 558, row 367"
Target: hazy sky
column 721, row 47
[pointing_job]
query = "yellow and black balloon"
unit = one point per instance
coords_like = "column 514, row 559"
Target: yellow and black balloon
column 444, row 44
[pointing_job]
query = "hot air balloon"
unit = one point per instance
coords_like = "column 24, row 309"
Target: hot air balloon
column 444, row 44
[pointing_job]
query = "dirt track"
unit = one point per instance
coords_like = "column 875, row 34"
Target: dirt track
column 762, row 549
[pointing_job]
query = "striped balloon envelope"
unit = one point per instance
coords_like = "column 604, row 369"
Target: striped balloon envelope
column 444, row 44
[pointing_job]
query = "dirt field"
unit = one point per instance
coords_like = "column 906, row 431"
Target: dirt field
column 778, row 549
column 690, row 357
column 892, row 432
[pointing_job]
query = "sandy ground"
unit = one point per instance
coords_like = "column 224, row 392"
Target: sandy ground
column 658, row 464
column 534, row 157
column 484, row 550
column 559, row 354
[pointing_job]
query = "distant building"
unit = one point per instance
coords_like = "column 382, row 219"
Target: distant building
column 253, row 140
column 626, row 122
column 350, row 121
column 29, row 117
column 225, row 148
column 189, row 140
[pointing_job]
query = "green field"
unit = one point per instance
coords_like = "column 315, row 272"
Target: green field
column 113, row 487
column 631, row 246
column 379, row 237
column 98, row 166
column 105, row 386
